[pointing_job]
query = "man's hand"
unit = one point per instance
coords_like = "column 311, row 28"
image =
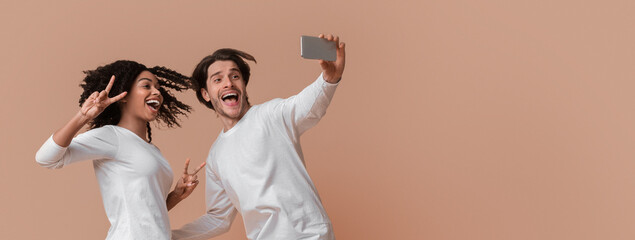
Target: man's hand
column 332, row 71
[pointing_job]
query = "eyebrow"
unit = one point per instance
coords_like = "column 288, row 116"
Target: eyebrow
column 216, row 73
column 141, row 79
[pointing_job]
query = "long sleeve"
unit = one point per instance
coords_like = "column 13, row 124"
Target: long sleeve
column 95, row 144
column 304, row 110
column 218, row 218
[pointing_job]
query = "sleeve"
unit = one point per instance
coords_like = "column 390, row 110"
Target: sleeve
column 92, row 145
column 218, row 218
column 304, row 110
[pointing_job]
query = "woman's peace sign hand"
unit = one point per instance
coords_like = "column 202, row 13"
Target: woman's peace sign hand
column 186, row 184
column 98, row 101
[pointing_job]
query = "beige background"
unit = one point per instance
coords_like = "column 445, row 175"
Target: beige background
column 487, row 119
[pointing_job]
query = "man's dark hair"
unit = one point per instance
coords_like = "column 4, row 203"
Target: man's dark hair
column 199, row 76
column 125, row 73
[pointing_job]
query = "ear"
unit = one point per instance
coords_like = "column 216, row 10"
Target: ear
column 205, row 94
column 124, row 99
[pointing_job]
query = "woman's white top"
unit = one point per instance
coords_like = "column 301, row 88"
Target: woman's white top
column 133, row 177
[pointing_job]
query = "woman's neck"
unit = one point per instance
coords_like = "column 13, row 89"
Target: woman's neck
column 136, row 126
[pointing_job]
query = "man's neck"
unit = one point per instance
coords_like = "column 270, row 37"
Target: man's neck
column 229, row 123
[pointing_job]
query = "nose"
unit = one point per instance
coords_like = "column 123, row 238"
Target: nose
column 227, row 83
column 155, row 91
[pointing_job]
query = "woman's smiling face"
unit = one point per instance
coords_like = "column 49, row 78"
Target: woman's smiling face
column 144, row 98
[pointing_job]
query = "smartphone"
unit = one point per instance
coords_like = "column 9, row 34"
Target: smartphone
column 317, row 48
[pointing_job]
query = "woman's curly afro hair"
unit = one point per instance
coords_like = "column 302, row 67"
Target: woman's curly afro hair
column 125, row 73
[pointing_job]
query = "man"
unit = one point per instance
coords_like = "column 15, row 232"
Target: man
column 256, row 164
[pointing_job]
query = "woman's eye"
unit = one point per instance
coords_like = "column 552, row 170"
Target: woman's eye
column 235, row 77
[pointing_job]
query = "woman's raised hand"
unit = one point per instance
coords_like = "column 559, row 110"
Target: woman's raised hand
column 98, row 101
column 91, row 108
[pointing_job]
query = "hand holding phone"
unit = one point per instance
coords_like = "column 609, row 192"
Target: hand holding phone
column 318, row 48
column 330, row 51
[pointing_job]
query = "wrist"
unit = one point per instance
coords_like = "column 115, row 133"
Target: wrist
column 175, row 196
column 81, row 118
column 172, row 199
column 331, row 79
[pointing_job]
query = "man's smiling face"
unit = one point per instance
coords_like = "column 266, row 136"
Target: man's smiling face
column 225, row 90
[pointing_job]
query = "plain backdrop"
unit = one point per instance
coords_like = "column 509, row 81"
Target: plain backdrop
column 458, row 119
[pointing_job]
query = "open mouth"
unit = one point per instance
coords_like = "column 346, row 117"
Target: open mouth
column 153, row 104
column 230, row 98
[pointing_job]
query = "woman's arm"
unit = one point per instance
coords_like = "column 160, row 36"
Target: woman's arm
column 92, row 107
column 55, row 152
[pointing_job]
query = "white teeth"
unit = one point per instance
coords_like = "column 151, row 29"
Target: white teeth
column 153, row 103
column 229, row 95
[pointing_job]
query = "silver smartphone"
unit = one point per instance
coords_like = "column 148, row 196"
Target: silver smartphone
column 317, row 48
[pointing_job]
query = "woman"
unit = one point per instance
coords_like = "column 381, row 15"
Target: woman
column 134, row 178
